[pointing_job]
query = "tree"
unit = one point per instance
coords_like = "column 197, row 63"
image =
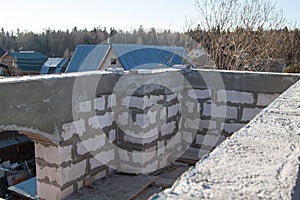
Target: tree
column 224, row 15
column 238, row 33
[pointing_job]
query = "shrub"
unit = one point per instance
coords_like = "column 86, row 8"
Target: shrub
column 293, row 68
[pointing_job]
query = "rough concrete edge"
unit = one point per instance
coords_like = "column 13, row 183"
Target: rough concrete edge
column 167, row 193
column 248, row 72
column 296, row 189
column 141, row 71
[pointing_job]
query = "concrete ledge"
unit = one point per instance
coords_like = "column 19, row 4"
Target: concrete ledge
column 259, row 161
column 72, row 114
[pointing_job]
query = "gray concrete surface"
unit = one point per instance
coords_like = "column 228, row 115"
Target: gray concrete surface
column 42, row 104
column 260, row 161
column 56, row 110
column 125, row 186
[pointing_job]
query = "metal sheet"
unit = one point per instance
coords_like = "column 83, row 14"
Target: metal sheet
column 57, row 63
column 87, row 57
column 27, row 188
column 29, row 61
column 146, row 56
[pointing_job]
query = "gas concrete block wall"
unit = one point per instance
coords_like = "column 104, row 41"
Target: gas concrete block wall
column 140, row 124
column 74, row 163
column 222, row 112
column 260, row 161
column 216, row 109
column 87, row 124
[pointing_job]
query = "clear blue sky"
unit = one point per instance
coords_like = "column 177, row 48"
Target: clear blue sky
column 37, row 15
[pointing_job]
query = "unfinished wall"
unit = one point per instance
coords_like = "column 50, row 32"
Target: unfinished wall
column 260, row 161
column 215, row 109
column 135, row 122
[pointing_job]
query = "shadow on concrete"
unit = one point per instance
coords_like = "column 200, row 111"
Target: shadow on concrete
column 296, row 189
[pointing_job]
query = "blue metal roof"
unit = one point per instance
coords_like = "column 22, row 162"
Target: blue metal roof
column 27, row 188
column 29, row 60
column 87, row 57
column 150, row 57
column 2, row 52
column 27, row 55
column 57, row 63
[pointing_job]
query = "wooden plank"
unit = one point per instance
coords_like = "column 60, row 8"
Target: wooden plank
column 127, row 173
column 165, row 170
column 163, row 182
column 38, row 138
column 191, row 154
column 141, row 190
column 187, row 161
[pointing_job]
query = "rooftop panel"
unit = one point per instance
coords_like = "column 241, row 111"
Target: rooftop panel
column 140, row 56
column 87, row 57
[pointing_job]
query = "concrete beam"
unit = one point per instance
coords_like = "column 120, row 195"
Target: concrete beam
column 40, row 105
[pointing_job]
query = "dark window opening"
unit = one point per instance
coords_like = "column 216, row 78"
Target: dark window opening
column 113, row 61
column 17, row 161
column 51, row 70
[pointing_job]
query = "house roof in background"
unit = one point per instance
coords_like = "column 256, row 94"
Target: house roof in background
column 149, row 57
column 87, row 57
column 29, row 60
column 58, row 63
column 27, row 55
column 55, row 62
column 90, row 57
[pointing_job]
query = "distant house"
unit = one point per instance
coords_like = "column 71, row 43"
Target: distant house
column 2, row 52
column 54, row 66
column 5, row 71
column 25, row 62
column 126, row 56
